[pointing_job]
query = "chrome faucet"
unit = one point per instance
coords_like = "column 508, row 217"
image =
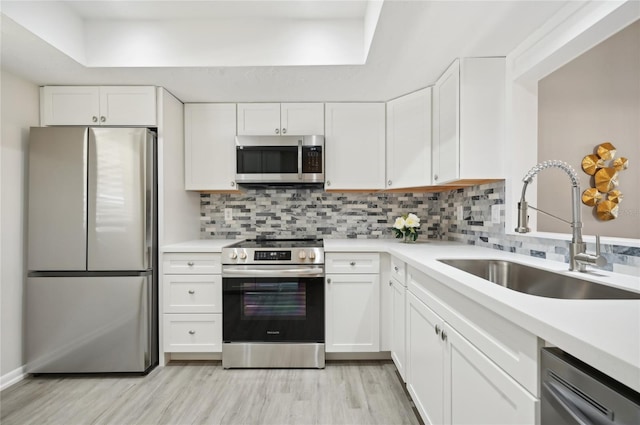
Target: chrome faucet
column 579, row 259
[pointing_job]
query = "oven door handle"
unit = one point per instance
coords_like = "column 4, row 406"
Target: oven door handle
column 273, row 271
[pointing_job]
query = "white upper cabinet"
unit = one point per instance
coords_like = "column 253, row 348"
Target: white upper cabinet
column 266, row 119
column 409, row 140
column 469, row 121
column 210, row 159
column 355, row 146
column 104, row 105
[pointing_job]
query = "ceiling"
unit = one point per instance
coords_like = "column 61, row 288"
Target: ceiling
column 413, row 42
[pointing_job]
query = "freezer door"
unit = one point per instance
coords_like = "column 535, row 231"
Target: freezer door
column 120, row 199
column 57, row 217
column 88, row 324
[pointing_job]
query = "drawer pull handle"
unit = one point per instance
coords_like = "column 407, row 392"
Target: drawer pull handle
column 192, row 332
column 438, row 330
column 190, row 264
column 353, row 263
column 191, row 291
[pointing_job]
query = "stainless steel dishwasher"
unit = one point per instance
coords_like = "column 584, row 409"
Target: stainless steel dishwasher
column 575, row 393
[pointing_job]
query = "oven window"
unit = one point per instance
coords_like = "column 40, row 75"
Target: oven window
column 268, row 300
column 267, row 159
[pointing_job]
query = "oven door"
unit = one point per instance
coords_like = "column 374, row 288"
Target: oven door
column 285, row 308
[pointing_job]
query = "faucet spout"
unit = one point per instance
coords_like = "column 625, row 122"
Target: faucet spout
column 577, row 250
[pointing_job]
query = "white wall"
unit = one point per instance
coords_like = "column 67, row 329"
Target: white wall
column 19, row 100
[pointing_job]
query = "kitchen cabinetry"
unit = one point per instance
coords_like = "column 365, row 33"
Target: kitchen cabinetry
column 469, row 121
column 192, row 302
column 449, row 378
column 355, row 146
column 352, row 302
column 98, row 105
column 409, row 140
column 268, row 119
column 398, row 314
column 210, row 160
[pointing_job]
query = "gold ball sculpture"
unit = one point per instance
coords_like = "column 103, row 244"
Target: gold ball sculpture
column 603, row 194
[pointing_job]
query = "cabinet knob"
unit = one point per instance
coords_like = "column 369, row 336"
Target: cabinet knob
column 103, row 118
column 443, row 335
column 438, row 330
column 353, row 263
column 284, row 131
column 395, row 268
column 435, row 177
column 277, row 131
column 190, row 264
column 191, row 291
column 390, row 283
column 328, row 280
column 389, row 183
column 94, row 118
column 233, row 184
column 328, row 182
column 192, row 332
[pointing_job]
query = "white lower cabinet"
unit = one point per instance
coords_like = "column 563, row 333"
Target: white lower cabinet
column 192, row 303
column 352, row 303
column 452, row 382
column 398, row 321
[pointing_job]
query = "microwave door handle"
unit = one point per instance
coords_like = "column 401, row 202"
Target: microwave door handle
column 300, row 159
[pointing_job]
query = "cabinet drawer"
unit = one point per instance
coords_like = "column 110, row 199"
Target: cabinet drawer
column 191, row 263
column 352, row 262
column 192, row 293
column 398, row 271
column 193, row 333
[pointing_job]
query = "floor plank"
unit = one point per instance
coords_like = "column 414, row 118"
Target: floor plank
column 355, row 393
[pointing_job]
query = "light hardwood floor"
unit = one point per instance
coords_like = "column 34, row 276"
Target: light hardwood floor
column 204, row 393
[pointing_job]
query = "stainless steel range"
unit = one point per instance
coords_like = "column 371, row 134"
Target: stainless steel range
column 273, row 304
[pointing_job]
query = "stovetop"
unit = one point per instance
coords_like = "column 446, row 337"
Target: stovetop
column 279, row 243
column 274, row 252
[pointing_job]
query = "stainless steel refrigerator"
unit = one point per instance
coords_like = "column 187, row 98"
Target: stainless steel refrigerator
column 91, row 290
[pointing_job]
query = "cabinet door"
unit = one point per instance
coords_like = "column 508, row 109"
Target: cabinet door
column 76, row 105
column 192, row 293
column 302, row 119
column 352, row 313
column 192, row 333
column 128, row 105
column 355, row 146
column 398, row 300
column 258, row 119
column 210, row 146
column 446, row 126
column 478, row 391
column 409, row 140
column 425, row 361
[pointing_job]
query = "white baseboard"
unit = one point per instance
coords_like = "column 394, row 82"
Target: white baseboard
column 12, row 378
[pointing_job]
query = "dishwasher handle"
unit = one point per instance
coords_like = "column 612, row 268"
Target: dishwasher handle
column 572, row 406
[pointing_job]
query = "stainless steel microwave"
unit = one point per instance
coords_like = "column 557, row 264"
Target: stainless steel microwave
column 279, row 159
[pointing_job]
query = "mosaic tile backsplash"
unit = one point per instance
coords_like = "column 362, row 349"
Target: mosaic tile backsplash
column 308, row 212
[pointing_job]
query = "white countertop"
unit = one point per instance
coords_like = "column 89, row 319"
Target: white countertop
column 199, row 245
column 602, row 333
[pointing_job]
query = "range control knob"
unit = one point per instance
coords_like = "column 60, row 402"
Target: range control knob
column 233, row 255
column 243, row 255
column 302, row 255
column 312, row 255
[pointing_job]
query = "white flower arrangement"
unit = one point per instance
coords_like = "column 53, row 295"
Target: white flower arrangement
column 406, row 227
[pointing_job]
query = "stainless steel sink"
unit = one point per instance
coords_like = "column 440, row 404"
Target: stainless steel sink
column 542, row 283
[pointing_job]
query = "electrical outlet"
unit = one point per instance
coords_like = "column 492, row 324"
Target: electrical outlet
column 495, row 214
column 228, row 214
column 460, row 213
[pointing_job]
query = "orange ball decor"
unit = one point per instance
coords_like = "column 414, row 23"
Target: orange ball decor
column 603, row 194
